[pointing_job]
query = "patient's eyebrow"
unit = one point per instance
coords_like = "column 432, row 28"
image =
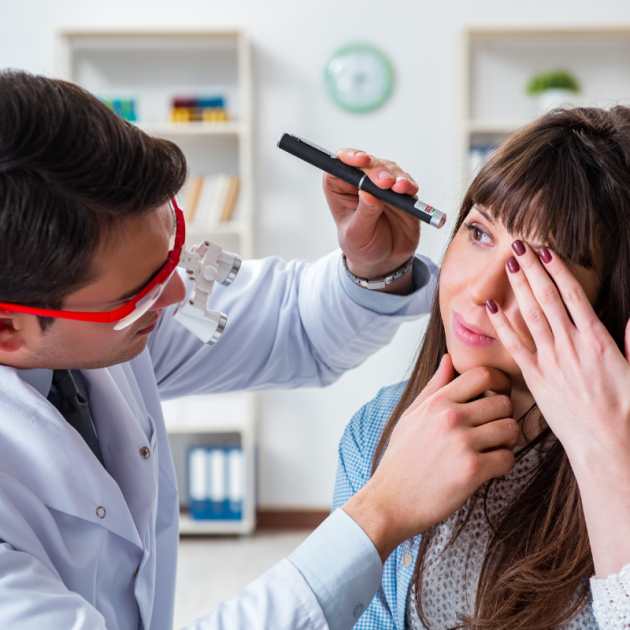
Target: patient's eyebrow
column 534, row 245
column 483, row 213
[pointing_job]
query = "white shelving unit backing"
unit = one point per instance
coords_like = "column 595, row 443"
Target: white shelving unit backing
column 497, row 63
column 151, row 67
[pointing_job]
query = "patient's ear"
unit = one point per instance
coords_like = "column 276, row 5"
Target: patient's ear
column 10, row 333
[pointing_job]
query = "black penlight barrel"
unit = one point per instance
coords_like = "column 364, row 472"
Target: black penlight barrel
column 330, row 163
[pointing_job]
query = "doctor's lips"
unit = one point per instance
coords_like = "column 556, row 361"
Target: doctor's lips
column 469, row 334
column 151, row 327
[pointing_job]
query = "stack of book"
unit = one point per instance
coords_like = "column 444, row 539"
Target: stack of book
column 124, row 107
column 216, row 483
column 198, row 109
column 210, row 200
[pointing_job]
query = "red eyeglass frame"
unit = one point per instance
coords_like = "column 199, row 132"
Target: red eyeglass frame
column 105, row 317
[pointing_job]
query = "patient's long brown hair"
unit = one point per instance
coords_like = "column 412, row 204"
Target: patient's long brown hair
column 565, row 179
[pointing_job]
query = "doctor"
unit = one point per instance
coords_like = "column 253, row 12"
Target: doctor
column 88, row 498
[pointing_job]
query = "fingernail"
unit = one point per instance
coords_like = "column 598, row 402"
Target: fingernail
column 401, row 178
column 545, row 254
column 519, row 248
column 492, row 307
column 363, row 201
column 385, row 175
column 360, row 154
column 512, row 264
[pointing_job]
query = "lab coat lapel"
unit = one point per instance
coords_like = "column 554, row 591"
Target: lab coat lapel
column 116, row 407
column 45, row 454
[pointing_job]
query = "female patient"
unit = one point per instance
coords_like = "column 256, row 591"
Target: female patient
column 534, row 296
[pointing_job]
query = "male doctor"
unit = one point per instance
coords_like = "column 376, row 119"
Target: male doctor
column 89, row 242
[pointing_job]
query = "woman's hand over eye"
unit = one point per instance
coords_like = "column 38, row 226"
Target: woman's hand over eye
column 442, row 449
column 581, row 383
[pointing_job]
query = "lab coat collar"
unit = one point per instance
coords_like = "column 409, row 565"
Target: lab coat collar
column 40, row 379
column 40, row 450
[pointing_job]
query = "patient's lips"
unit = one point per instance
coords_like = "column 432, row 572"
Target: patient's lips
column 469, row 334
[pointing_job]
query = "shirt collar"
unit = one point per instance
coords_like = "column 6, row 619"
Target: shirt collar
column 40, row 379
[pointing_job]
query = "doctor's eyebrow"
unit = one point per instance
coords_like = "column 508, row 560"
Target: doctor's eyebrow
column 139, row 288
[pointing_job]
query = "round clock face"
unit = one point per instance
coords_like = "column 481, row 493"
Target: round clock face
column 359, row 78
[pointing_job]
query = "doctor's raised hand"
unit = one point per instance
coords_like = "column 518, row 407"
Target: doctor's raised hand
column 376, row 238
column 580, row 381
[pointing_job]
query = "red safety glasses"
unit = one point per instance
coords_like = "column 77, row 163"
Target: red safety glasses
column 138, row 305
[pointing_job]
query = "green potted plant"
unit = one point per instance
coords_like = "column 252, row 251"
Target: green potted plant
column 553, row 88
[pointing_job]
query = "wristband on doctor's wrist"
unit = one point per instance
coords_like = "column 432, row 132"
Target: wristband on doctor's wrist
column 382, row 281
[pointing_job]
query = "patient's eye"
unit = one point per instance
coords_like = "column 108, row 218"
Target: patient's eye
column 476, row 234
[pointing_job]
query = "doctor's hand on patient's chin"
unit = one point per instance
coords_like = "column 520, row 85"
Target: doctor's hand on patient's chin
column 440, row 452
column 376, row 238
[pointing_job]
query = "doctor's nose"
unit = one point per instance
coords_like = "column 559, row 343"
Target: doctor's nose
column 174, row 292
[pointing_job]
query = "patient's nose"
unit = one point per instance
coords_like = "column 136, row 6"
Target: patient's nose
column 490, row 282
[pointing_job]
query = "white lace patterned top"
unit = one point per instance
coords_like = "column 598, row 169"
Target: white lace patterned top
column 450, row 584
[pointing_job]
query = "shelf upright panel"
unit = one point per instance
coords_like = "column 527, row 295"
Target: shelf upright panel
column 463, row 175
column 246, row 157
column 156, row 65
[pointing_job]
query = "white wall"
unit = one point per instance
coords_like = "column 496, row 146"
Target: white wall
column 292, row 42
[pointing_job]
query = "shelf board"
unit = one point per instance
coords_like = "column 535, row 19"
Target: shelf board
column 494, row 126
column 546, row 31
column 218, row 426
column 190, row 526
column 223, row 228
column 170, row 129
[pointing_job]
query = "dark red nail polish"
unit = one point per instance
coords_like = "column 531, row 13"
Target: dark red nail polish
column 512, row 264
column 492, row 306
column 518, row 247
column 545, row 254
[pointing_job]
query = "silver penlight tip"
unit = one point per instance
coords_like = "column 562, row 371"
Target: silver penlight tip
column 438, row 219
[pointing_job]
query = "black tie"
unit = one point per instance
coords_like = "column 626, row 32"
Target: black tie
column 74, row 408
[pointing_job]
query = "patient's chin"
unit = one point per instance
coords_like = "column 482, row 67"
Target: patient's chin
column 464, row 362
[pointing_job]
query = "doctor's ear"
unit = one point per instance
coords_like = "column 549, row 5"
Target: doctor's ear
column 10, row 335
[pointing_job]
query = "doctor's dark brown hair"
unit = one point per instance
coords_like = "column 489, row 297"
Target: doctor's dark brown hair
column 565, row 179
column 70, row 171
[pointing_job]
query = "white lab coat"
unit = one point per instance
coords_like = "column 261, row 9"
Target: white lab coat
column 89, row 548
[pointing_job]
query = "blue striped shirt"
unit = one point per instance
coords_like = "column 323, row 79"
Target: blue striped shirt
column 356, row 450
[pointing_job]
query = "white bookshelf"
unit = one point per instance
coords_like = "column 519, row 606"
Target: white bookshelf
column 497, row 63
column 151, row 67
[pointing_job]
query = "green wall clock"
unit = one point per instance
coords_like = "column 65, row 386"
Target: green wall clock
column 359, row 78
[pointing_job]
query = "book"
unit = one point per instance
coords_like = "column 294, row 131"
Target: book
column 197, row 476
column 230, row 200
column 216, row 482
column 190, row 197
column 236, row 478
column 217, row 202
column 205, row 202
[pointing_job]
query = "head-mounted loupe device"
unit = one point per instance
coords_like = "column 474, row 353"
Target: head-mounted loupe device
column 206, row 264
